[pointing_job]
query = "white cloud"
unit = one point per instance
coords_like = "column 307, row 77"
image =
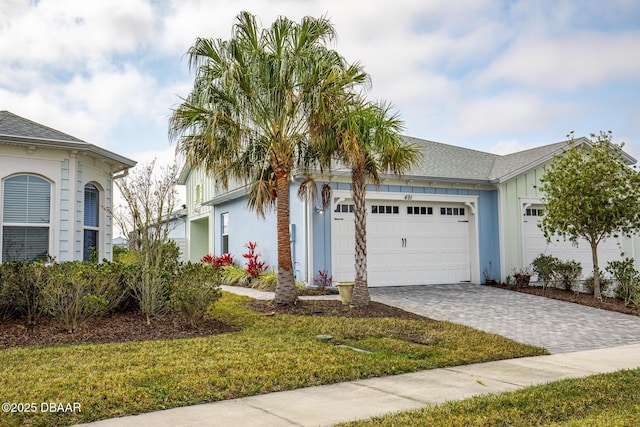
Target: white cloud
column 567, row 63
column 510, row 112
column 66, row 33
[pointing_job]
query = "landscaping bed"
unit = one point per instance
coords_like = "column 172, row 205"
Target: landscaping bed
column 611, row 304
column 119, row 327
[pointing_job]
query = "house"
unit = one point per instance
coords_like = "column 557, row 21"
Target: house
column 462, row 216
column 55, row 190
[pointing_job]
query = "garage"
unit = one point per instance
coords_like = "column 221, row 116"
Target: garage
column 409, row 242
column 536, row 244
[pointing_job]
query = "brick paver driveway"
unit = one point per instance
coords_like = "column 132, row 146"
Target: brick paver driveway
column 558, row 326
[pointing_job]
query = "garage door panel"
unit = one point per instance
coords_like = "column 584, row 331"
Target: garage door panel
column 405, row 249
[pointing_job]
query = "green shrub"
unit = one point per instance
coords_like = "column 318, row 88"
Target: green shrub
column 545, row 267
column 628, row 279
column 119, row 252
column 149, row 288
column 107, row 282
column 29, row 280
column 568, row 273
column 266, row 281
column 604, row 284
column 194, row 290
column 234, row 275
column 8, row 292
column 69, row 295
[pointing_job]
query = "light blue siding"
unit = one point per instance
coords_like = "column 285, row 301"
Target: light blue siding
column 246, row 225
column 487, row 212
column 489, row 240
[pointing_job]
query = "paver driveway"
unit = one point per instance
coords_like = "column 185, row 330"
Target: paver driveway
column 558, row 326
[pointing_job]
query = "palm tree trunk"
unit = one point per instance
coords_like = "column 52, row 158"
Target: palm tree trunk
column 596, row 272
column 360, row 296
column 286, row 292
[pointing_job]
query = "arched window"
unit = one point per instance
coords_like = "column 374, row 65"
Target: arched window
column 26, row 218
column 91, row 222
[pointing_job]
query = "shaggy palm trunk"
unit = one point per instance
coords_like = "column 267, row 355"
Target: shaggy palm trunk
column 286, row 292
column 360, row 296
column 596, row 272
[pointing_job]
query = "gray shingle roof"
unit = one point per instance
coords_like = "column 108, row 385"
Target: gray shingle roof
column 510, row 163
column 443, row 161
column 451, row 162
column 12, row 125
column 16, row 130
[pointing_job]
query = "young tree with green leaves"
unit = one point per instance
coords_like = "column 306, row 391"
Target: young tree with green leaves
column 590, row 192
column 258, row 101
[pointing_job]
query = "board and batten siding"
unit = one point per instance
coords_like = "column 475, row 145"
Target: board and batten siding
column 515, row 193
column 512, row 192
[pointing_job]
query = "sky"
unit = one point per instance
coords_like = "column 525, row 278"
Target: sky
column 491, row 75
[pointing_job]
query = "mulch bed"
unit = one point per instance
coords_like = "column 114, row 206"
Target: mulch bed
column 331, row 308
column 611, row 304
column 120, row 327
column 132, row 326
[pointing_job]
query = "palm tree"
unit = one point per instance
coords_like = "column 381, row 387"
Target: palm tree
column 254, row 108
column 369, row 143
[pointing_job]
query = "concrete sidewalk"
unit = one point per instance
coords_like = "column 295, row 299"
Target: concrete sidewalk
column 330, row 404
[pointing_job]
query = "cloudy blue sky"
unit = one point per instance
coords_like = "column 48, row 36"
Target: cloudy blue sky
column 493, row 75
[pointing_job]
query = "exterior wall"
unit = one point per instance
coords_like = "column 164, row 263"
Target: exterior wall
column 68, row 173
column 488, row 242
column 199, row 217
column 245, row 225
column 514, row 194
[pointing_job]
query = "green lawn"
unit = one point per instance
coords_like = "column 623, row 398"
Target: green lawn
column 600, row 400
column 268, row 354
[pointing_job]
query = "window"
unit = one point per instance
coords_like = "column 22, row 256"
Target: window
column 533, row 212
column 91, row 221
column 344, row 208
column 419, row 210
column 197, row 194
column 385, row 209
column 225, row 232
column 26, row 218
column 452, row 211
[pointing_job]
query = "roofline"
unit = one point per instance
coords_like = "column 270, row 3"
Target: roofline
column 344, row 172
column 184, row 173
column 80, row 146
column 630, row 160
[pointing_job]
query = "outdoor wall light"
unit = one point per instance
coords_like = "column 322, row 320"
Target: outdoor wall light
column 319, row 210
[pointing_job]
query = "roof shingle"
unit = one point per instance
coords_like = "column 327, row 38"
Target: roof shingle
column 13, row 125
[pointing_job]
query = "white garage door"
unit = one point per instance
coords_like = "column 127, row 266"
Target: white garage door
column 536, row 244
column 408, row 243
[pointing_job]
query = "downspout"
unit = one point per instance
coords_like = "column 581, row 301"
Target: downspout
column 501, row 242
column 124, row 174
column 309, row 237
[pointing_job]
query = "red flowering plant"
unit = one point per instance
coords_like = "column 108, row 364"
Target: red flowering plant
column 217, row 261
column 254, row 265
column 322, row 280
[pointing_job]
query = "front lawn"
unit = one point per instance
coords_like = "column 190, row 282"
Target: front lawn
column 269, row 353
column 600, row 400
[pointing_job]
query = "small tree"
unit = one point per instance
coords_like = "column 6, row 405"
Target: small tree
column 150, row 199
column 591, row 193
